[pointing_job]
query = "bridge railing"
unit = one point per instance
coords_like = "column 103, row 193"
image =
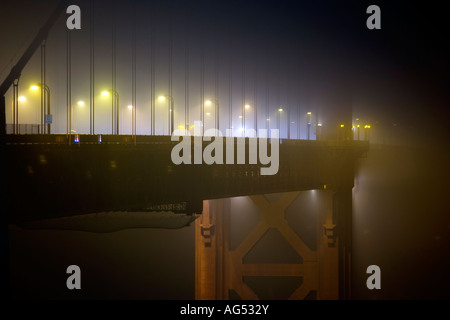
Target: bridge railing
column 24, row 128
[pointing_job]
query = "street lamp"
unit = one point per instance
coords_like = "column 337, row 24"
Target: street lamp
column 45, row 102
column 81, row 104
column 319, row 131
column 366, row 132
column 308, row 124
column 255, row 124
column 216, row 112
column 280, row 110
column 171, row 111
column 131, row 108
column 114, row 108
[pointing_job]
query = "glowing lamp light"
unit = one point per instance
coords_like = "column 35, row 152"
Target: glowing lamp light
column 208, row 102
column 34, row 87
column 22, row 98
column 309, row 113
column 105, row 93
column 81, row 103
column 342, row 125
column 180, row 126
column 247, row 106
column 280, row 110
column 161, row 98
column 130, row 107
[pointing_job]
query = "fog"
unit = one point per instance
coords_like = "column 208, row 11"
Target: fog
column 304, row 57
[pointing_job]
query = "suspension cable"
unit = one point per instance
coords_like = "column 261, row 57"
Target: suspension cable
column 186, row 83
column 69, row 88
column 92, row 73
column 133, row 82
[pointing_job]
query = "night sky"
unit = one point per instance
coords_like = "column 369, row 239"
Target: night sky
column 314, row 56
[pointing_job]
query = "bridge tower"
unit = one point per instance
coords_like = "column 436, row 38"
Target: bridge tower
column 221, row 271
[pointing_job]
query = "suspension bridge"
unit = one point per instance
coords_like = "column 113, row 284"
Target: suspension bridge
column 100, row 154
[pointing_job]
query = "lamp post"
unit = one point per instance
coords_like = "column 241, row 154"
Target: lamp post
column 246, row 107
column 216, row 112
column 171, row 111
column 242, row 125
column 308, row 124
column 366, row 132
column 319, row 131
column 280, row 110
column 131, row 108
column 45, row 117
column 114, row 108
column 341, row 134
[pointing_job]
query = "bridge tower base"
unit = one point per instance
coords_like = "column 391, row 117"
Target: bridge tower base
column 220, row 271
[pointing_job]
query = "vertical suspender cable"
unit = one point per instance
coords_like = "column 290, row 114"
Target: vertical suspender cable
column 133, row 83
column 68, row 89
column 152, row 74
column 243, row 95
column 171, row 111
column 255, row 97
column 202, row 90
column 298, row 122
column 115, row 111
column 230, row 91
column 278, row 102
column 91, row 75
column 216, row 90
column 267, row 104
column 42, row 89
column 16, row 106
column 186, row 83
column 288, row 112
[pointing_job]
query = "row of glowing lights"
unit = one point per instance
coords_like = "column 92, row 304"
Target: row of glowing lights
column 353, row 127
column 160, row 98
column 163, row 98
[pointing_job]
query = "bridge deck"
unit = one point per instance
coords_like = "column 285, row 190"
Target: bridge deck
column 49, row 177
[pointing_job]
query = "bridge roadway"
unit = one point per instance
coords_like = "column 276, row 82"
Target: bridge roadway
column 52, row 176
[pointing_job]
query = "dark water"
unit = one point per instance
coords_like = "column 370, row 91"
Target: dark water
column 129, row 264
